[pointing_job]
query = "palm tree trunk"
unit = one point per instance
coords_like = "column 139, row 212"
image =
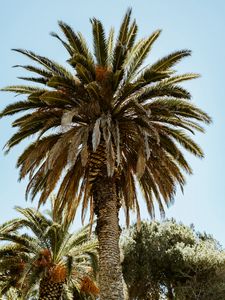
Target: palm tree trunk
column 107, row 206
column 50, row 290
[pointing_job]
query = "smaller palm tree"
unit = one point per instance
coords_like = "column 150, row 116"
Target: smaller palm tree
column 47, row 257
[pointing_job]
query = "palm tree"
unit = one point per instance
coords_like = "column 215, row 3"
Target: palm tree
column 47, row 258
column 104, row 128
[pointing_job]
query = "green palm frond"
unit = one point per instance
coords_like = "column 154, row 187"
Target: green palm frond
column 179, row 78
column 23, row 240
column 185, row 141
column 41, row 80
column 10, row 226
column 121, row 46
column 66, row 45
column 72, row 37
column 100, row 46
column 170, row 60
column 85, row 63
column 53, row 67
column 136, row 57
column 36, row 70
column 110, row 43
column 76, row 41
column 22, row 89
column 20, row 106
column 160, row 90
column 132, row 33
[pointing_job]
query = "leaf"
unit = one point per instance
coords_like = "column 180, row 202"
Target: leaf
column 138, row 216
column 50, row 65
column 100, row 46
column 37, row 70
column 55, row 98
column 41, row 80
column 141, row 162
column 121, row 44
column 96, row 135
column 83, row 74
column 93, row 90
column 72, row 37
column 138, row 56
column 185, row 141
column 68, row 116
column 22, row 89
column 147, row 148
column 84, row 150
column 110, row 48
column 62, row 82
column 87, row 64
column 35, row 98
column 67, row 46
column 170, row 60
column 131, row 36
column 84, row 154
column 55, row 152
column 179, row 78
column 73, row 150
column 14, row 108
column 160, row 90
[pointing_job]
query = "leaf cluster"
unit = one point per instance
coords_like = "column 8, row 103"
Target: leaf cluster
column 168, row 256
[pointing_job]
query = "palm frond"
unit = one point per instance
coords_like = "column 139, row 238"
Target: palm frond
column 170, row 60
column 121, row 49
column 66, row 45
column 41, row 80
column 36, row 70
column 138, row 54
column 53, row 67
column 100, row 46
column 22, row 89
column 109, row 47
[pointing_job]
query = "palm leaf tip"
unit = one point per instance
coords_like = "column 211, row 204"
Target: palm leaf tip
column 100, row 45
column 170, row 60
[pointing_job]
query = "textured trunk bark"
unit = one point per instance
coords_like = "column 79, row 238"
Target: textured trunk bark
column 50, row 290
column 107, row 208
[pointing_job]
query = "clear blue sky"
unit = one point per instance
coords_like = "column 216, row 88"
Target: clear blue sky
column 196, row 25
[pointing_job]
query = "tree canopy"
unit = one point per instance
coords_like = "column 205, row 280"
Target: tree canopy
column 174, row 261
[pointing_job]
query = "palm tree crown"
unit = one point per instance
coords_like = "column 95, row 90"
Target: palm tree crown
column 110, row 110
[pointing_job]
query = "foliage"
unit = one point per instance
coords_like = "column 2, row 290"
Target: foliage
column 111, row 111
column 47, row 252
column 173, row 261
column 14, row 294
column 106, row 116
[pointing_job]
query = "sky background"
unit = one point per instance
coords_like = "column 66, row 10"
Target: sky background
column 196, row 25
